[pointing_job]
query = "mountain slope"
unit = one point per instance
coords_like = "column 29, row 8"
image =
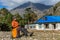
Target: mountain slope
column 55, row 10
column 36, row 7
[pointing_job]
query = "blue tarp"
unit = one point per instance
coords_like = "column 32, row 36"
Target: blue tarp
column 48, row 19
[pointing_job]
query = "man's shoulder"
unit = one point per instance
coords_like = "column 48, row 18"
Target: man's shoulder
column 13, row 21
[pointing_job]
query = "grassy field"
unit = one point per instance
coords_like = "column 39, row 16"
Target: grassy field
column 37, row 35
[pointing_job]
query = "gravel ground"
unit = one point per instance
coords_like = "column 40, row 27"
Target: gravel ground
column 37, row 35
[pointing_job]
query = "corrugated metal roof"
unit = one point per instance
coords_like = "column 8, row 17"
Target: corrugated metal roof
column 48, row 19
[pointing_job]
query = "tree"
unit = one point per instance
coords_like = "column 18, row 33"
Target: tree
column 18, row 16
column 30, row 15
column 4, row 11
column 6, row 17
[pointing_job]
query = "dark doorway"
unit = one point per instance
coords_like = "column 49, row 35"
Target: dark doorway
column 46, row 26
column 54, row 26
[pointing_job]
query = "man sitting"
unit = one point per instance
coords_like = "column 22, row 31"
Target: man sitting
column 25, row 32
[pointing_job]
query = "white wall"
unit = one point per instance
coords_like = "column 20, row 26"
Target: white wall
column 58, row 26
column 37, row 26
column 43, row 26
column 51, row 26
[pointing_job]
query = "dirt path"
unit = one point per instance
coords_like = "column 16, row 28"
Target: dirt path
column 38, row 35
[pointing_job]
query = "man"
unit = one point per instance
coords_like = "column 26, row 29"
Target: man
column 15, row 28
column 25, row 31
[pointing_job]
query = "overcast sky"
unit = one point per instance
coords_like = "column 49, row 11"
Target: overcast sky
column 9, row 4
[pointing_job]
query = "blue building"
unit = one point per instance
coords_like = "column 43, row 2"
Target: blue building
column 47, row 23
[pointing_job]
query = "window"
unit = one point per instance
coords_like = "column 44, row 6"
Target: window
column 32, row 27
column 44, row 18
column 40, row 26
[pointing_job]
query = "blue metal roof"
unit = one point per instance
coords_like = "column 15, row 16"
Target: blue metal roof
column 48, row 19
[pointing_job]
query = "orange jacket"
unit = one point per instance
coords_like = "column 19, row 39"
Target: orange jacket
column 15, row 24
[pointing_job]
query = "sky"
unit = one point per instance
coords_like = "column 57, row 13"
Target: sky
column 10, row 4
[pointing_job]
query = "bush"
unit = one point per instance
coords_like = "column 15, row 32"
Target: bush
column 4, row 27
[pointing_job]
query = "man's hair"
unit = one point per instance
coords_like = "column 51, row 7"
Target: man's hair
column 14, row 17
